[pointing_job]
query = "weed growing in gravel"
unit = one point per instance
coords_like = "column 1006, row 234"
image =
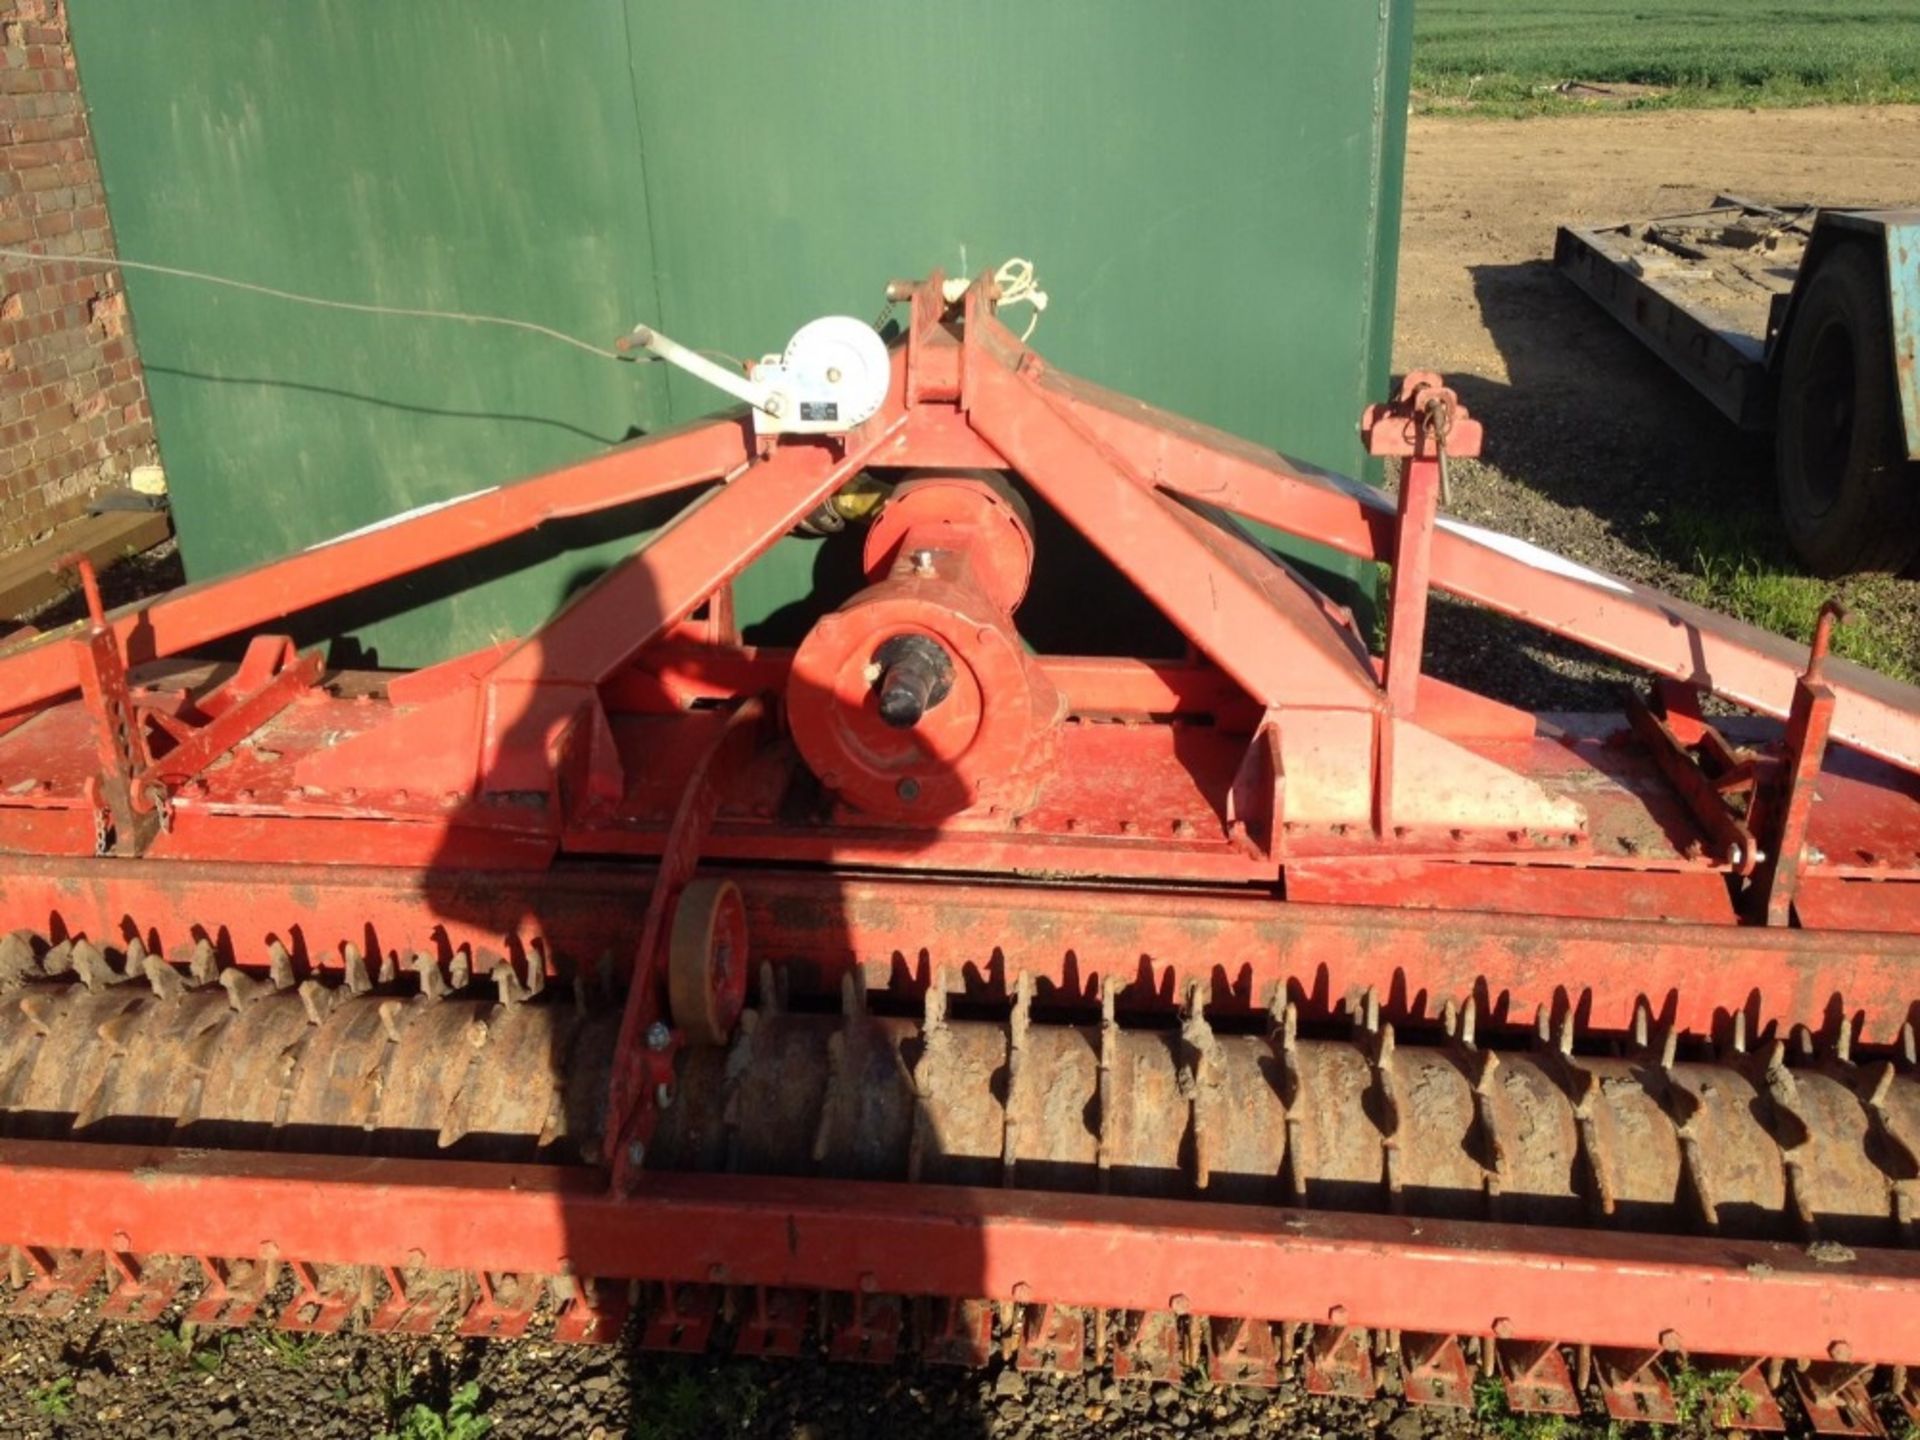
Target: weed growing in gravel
column 1490, row 1408
column 188, row 1348
column 688, row 1404
column 295, row 1352
column 461, row 1420
column 1712, row 1399
column 55, row 1398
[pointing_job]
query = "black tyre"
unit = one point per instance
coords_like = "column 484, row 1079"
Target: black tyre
column 1848, row 493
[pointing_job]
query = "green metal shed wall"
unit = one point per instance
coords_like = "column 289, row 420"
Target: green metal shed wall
column 1210, row 191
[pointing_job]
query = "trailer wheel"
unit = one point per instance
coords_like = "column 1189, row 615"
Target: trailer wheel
column 1848, row 493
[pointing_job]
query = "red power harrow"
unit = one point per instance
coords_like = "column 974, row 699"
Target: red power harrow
column 1277, row 1005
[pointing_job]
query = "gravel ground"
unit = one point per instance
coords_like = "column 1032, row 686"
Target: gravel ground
column 153, row 1382
column 1591, row 452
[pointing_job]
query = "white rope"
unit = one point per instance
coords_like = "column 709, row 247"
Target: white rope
column 1016, row 284
column 1014, row 280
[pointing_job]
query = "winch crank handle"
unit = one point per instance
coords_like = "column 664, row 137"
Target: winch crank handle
column 742, row 387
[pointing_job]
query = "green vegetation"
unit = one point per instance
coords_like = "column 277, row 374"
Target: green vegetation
column 1499, row 1419
column 1505, row 57
column 673, row 1404
column 55, row 1398
column 188, row 1348
column 295, row 1352
column 1709, row 1399
column 1738, row 565
column 461, row 1420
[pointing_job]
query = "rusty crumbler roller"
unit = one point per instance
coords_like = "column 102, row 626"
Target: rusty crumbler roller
column 1277, row 1005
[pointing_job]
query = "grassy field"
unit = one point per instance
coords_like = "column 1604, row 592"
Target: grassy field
column 1505, row 57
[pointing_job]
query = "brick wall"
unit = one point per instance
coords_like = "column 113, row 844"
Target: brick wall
column 73, row 403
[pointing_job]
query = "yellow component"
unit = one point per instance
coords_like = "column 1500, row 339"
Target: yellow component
column 859, row 498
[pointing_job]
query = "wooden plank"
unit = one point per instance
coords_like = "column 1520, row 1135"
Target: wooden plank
column 27, row 580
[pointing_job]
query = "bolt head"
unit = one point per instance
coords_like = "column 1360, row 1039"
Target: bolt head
column 1670, row 1340
column 1840, row 1351
column 1022, row 1291
column 659, row 1037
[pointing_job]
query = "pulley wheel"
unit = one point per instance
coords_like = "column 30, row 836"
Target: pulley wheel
column 707, row 960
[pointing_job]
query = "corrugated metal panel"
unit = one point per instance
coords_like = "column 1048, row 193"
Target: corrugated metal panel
column 1211, row 194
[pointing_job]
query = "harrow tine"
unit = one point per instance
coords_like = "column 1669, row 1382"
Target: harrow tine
column 595, row 1314
column 870, row 1335
column 502, row 1309
column 234, row 1292
column 142, row 1288
column 55, row 1281
column 1747, row 1402
column 410, row 1309
column 1634, row 1386
column 1535, row 1377
column 1435, row 1372
column 1835, row 1397
column 1243, row 1353
column 958, row 1332
column 1053, row 1340
column 1339, row 1362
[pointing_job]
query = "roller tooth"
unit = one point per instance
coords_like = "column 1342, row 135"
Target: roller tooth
column 117, row 1031
column 536, row 973
column 279, row 966
column 37, row 1011
column 165, row 980
column 433, row 984
column 316, row 999
column 1642, row 1024
column 460, row 969
column 1882, row 1084
column 243, row 989
column 389, row 967
column 17, row 964
column 90, row 963
column 506, row 984
column 204, row 964
column 59, row 958
column 354, row 966
column 769, row 990
column 391, row 1012
column 1909, row 1045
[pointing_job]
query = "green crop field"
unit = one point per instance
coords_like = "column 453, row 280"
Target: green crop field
column 1507, row 56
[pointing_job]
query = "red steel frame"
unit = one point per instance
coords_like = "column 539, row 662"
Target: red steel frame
column 451, row 806
column 1448, row 1277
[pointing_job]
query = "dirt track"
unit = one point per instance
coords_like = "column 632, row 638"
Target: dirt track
column 1483, row 197
column 1593, row 448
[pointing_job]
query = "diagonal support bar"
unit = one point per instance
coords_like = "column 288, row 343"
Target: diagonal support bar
column 1635, row 623
column 179, row 622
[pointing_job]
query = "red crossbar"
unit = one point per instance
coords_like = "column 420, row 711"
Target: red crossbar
column 1708, row 1296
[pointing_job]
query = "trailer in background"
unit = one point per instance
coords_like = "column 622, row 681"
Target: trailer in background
column 1802, row 320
